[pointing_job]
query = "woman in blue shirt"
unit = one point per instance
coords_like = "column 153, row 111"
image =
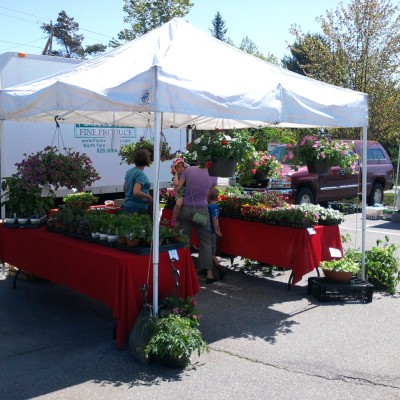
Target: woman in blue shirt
column 137, row 185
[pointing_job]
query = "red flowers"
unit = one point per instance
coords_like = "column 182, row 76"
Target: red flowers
column 224, row 142
column 209, row 164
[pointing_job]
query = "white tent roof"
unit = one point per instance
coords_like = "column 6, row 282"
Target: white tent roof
column 193, row 79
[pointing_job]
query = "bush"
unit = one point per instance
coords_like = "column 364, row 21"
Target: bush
column 382, row 266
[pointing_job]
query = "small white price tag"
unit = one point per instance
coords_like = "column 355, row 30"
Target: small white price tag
column 335, row 253
column 173, row 255
column 311, row 231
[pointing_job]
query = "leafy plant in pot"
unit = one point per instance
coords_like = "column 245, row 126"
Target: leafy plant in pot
column 340, row 270
column 173, row 340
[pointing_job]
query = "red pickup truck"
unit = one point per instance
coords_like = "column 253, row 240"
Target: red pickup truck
column 302, row 186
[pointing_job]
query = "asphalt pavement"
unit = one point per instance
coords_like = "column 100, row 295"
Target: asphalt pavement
column 266, row 342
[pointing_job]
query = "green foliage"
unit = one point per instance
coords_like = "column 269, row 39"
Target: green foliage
column 127, row 152
column 359, row 50
column 258, row 164
column 382, row 266
column 183, row 307
column 344, row 264
column 65, row 32
column 219, row 30
column 262, row 137
column 81, row 198
column 22, row 201
column 220, row 144
column 175, row 336
column 145, row 15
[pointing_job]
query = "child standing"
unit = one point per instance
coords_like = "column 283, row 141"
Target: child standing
column 177, row 169
column 213, row 209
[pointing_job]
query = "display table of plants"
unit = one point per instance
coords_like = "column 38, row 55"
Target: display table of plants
column 270, row 208
column 123, row 231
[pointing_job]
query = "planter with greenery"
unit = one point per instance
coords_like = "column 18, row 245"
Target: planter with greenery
column 127, row 152
column 49, row 166
column 318, row 149
column 340, row 270
column 80, row 200
column 211, row 147
column 258, row 165
column 173, row 339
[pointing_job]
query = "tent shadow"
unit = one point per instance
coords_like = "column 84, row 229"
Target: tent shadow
column 56, row 339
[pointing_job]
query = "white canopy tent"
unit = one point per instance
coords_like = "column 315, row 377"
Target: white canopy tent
column 190, row 78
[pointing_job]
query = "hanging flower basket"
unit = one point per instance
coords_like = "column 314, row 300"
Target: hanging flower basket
column 320, row 166
column 223, row 167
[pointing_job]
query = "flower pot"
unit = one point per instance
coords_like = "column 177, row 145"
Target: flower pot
column 223, row 167
column 132, row 242
column 122, row 240
column 23, row 220
column 260, row 176
column 112, row 238
column 9, row 220
column 337, row 276
column 321, row 167
column 36, row 220
column 103, row 236
column 174, row 362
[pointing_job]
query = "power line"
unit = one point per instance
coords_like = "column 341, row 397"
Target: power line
column 41, row 19
column 21, row 44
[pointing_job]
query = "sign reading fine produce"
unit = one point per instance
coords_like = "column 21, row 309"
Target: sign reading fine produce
column 102, row 139
column 96, row 131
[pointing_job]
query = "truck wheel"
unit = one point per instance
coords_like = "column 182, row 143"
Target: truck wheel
column 376, row 195
column 305, row 195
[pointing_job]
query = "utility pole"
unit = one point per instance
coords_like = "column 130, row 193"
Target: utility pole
column 48, row 49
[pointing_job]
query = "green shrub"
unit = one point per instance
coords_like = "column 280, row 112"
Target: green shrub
column 382, row 266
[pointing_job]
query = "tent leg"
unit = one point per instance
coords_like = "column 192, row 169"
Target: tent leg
column 364, row 199
column 156, row 212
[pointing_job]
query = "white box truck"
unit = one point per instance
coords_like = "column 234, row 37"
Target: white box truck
column 100, row 143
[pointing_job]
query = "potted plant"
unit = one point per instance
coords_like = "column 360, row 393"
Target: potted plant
column 173, row 339
column 69, row 169
column 220, row 151
column 81, row 200
column 340, row 270
column 320, row 153
column 258, row 165
column 127, row 152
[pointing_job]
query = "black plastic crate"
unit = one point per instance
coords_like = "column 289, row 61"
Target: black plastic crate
column 356, row 290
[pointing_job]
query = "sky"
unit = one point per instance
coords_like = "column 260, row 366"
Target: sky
column 265, row 22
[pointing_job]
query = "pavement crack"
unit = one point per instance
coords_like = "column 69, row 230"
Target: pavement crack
column 343, row 378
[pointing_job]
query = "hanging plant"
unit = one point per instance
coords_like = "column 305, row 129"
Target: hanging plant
column 127, row 152
column 49, row 166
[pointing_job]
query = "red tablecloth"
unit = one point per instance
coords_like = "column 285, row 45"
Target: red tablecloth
column 291, row 248
column 111, row 276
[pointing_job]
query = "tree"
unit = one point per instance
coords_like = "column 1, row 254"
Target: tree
column 65, row 32
column 145, row 15
column 219, row 30
column 360, row 50
column 250, row 47
column 311, row 54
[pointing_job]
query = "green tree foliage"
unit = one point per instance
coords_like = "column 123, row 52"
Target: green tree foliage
column 250, row 47
column 65, row 32
column 359, row 50
column 145, row 15
column 219, row 30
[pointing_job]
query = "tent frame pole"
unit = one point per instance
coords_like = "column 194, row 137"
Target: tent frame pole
column 156, row 209
column 364, row 198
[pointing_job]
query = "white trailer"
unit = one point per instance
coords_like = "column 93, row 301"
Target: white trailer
column 100, row 143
